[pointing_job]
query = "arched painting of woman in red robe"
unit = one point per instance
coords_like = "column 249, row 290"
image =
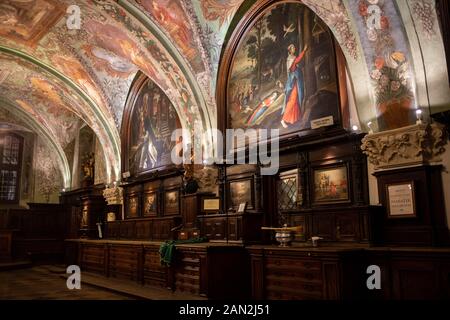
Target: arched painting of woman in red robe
column 283, row 74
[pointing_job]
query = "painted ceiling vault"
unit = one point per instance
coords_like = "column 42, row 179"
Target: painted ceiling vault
column 62, row 74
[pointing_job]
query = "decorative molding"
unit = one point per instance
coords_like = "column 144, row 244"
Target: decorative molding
column 113, row 195
column 407, row 146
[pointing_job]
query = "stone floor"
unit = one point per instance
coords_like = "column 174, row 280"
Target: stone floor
column 48, row 282
column 41, row 283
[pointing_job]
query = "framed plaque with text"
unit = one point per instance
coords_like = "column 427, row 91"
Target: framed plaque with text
column 211, row 205
column 401, row 202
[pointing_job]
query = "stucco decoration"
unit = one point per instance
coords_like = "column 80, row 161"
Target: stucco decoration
column 424, row 11
column 113, row 195
column 411, row 145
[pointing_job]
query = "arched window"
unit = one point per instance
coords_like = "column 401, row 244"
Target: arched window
column 10, row 167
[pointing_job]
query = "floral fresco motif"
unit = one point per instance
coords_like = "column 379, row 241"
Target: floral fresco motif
column 387, row 55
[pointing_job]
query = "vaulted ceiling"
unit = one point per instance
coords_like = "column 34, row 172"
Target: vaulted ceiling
column 60, row 74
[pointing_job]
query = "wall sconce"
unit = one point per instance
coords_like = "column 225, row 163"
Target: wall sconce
column 419, row 116
column 355, row 128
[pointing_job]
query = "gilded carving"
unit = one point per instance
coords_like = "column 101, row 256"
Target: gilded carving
column 113, row 195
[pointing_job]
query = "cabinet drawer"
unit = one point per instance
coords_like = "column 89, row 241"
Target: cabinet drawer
column 294, row 277
column 290, row 264
column 302, row 292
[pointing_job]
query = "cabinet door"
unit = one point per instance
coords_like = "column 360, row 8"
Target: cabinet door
column 234, row 226
column 347, row 227
column 415, row 279
column 214, row 228
column 324, row 226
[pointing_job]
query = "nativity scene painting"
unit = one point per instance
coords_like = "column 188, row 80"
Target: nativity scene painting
column 154, row 119
column 284, row 72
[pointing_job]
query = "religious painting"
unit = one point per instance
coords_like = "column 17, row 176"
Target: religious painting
column 241, row 192
column 331, row 184
column 153, row 120
column 171, row 202
column 27, row 21
column 283, row 73
column 133, row 206
column 150, row 204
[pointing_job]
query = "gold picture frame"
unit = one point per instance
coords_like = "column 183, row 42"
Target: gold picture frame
column 330, row 184
column 240, row 191
column 172, row 202
column 150, row 204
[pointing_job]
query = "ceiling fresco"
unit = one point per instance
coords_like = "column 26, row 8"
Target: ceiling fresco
column 27, row 21
column 61, row 75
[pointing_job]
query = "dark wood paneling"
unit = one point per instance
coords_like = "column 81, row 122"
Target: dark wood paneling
column 414, row 280
column 303, row 274
column 124, row 262
column 429, row 225
column 154, row 273
column 143, row 229
column 200, row 269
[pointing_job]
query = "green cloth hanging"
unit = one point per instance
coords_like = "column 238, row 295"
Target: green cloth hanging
column 167, row 249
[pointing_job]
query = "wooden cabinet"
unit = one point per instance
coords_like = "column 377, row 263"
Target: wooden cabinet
column 344, row 225
column 93, row 258
column 304, row 273
column 143, row 229
column 428, row 226
column 187, row 271
column 243, row 228
column 214, row 227
column 154, row 273
column 93, row 212
column 6, row 237
column 411, row 273
column 217, row 271
column 124, row 261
